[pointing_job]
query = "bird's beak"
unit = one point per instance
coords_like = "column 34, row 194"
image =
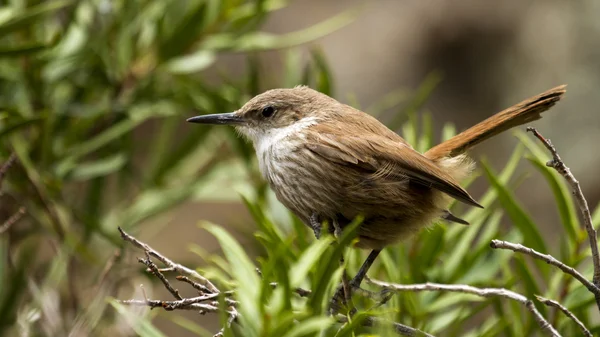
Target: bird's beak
column 230, row 118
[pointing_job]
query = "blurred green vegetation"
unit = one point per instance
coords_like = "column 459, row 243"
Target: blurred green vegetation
column 93, row 98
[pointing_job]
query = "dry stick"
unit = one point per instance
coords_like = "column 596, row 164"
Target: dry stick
column 116, row 257
column 549, row 259
column 12, row 220
column 560, row 167
column 179, row 268
column 566, row 311
column 4, row 168
column 192, row 303
column 207, row 290
column 208, row 294
column 154, row 270
column 483, row 292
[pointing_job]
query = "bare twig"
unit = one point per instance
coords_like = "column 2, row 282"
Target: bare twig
column 206, row 302
column 201, row 289
column 549, row 259
column 192, row 303
column 154, row 270
column 12, row 220
column 560, row 167
column 4, row 168
column 566, row 311
column 483, row 292
column 179, row 268
column 115, row 258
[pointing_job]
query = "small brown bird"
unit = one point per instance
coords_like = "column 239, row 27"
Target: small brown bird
column 327, row 161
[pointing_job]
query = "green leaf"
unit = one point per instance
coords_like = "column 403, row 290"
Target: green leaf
column 531, row 235
column 17, row 126
column 32, row 15
column 185, row 33
column 191, row 63
column 23, row 49
column 324, row 76
column 559, row 187
column 462, row 237
column 308, row 260
column 309, row 326
column 248, row 282
column 267, row 41
column 109, row 135
column 99, row 168
column 596, row 217
column 563, row 202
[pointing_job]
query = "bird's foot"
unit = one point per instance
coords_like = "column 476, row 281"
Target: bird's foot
column 315, row 225
column 339, row 299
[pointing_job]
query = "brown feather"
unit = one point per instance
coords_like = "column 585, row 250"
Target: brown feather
column 374, row 152
column 527, row 111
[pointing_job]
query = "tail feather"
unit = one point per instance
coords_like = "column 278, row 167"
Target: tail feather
column 527, row 111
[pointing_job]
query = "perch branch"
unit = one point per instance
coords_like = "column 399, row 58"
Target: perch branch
column 177, row 267
column 483, row 292
column 560, row 167
column 4, row 168
column 154, row 270
column 192, row 303
column 566, row 311
column 549, row 259
column 12, row 220
column 206, row 302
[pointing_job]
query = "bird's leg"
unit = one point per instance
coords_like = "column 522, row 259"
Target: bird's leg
column 315, row 225
column 356, row 280
column 337, row 232
column 362, row 272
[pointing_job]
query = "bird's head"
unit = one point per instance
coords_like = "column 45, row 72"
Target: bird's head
column 274, row 110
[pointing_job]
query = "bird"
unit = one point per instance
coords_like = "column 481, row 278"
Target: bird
column 329, row 162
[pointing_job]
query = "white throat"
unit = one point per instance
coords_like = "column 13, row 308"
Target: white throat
column 266, row 139
column 269, row 142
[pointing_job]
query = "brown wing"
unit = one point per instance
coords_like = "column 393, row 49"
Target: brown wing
column 384, row 156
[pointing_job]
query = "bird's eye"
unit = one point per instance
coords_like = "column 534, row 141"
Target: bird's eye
column 268, row 111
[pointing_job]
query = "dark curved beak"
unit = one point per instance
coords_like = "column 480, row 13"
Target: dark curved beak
column 230, row 118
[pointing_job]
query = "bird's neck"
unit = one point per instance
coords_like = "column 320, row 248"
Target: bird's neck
column 274, row 144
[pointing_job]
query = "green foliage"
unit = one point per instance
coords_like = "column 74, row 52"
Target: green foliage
column 93, row 95
column 446, row 253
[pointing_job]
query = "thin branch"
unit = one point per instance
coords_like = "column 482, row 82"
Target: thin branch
column 483, row 292
column 12, row 220
column 560, row 167
column 201, row 289
column 515, row 247
column 192, row 303
column 4, row 168
column 154, row 270
column 206, row 302
column 566, row 311
column 114, row 259
column 179, row 268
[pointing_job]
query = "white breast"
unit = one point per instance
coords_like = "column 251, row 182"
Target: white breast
column 273, row 146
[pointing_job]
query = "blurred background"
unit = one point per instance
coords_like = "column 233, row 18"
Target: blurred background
column 94, row 95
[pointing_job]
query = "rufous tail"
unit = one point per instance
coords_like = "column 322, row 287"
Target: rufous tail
column 527, row 111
